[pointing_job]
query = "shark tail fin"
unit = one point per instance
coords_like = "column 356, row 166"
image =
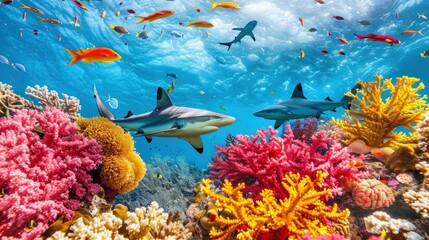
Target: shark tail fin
column 226, row 44
column 104, row 112
column 346, row 99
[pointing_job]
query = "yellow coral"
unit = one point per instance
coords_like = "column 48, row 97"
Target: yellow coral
column 303, row 212
column 375, row 119
column 122, row 168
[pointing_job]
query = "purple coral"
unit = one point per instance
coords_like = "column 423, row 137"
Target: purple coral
column 44, row 163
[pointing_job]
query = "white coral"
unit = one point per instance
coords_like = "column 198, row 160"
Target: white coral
column 153, row 217
column 379, row 220
column 419, row 201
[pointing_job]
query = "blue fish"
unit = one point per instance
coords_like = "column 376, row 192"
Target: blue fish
column 18, row 66
column 4, row 60
column 173, row 75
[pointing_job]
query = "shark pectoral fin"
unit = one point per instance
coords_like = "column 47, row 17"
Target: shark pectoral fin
column 279, row 122
column 148, row 138
column 196, row 142
column 252, row 36
column 239, row 29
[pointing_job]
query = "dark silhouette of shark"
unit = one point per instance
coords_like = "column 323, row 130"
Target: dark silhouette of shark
column 247, row 30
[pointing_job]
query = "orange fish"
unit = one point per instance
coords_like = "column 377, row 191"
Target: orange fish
column 91, row 55
column 155, row 16
column 301, row 20
column 343, row 40
column 413, row 32
column 357, row 163
column 201, row 24
column 80, row 5
column 50, row 20
column 33, row 9
column 103, row 14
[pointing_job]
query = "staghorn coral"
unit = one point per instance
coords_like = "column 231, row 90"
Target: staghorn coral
column 394, row 228
column 169, row 182
column 9, row 101
column 122, row 168
column 144, row 223
column 375, row 118
column 43, row 176
column 302, row 212
column 262, row 160
column 371, row 193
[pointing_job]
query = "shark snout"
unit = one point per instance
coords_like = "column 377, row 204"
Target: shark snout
column 225, row 121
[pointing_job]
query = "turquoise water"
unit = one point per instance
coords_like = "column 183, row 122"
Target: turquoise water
column 237, row 82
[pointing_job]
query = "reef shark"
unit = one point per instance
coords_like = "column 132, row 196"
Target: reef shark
column 168, row 120
column 298, row 106
column 247, row 30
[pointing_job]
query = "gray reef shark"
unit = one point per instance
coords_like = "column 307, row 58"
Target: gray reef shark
column 298, row 106
column 167, row 120
column 247, row 30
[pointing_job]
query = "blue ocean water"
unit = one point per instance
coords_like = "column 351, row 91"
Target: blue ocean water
column 237, row 82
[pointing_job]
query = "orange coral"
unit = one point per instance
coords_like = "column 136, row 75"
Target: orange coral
column 303, row 212
column 122, row 168
column 375, row 118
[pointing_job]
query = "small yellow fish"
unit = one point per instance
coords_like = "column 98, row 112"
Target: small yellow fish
column 223, row 107
column 227, row 5
column 273, row 92
column 302, row 53
column 157, row 175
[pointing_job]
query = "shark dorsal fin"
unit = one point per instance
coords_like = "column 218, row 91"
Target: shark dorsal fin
column 297, row 92
column 129, row 114
column 162, row 99
column 328, row 99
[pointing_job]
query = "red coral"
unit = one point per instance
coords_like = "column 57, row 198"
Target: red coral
column 43, row 176
column 262, row 162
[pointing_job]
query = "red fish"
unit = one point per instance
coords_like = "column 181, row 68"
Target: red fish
column 320, row 1
column 198, row 9
column 324, row 51
column 301, row 20
column 338, row 17
column 79, row 4
column 6, row 2
column 131, row 11
column 380, row 38
column 93, row 55
column 155, row 16
column 341, row 53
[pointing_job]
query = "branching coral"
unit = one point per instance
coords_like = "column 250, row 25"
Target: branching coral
column 122, row 168
column 375, row 118
column 9, row 101
column 42, row 176
column 262, row 160
column 302, row 212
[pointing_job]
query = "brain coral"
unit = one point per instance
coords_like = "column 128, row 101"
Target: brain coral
column 122, row 168
column 371, row 193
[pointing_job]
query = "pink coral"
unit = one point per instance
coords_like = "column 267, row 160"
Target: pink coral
column 371, row 193
column 43, row 170
column 261, row 163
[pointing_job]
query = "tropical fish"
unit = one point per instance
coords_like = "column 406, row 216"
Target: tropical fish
column 119, row 29
column 161, row 33
column 168, row 120
column 50, row 20
column 357, row 163
column 176, row 34
column 113, row 102
column 312, row 30
column 301, row 20
column 413, row 32
column 365, row 22
column 35, row 32
column 201, row 92
column 273, row 92
column 320, row 1
column 142, row 35
column 173, row 75
column 155, row 16
column 4, row 60
column 171, row 89
column 18, row 66
column 338, row 17
column 6, row 2
column 103, row 14
column 24, row 16
column 80, row 5
column 198, row 9
column 343, row 40
column 298, row 106
column 118, row 13
column 341, row 53
column 246, row 31
column 227, row 5
column 200, row 24
column 131, row 11
column 59, row 37
column 33, row 9
column 223, row 108
column 74, row 21
column 324, row 51
column 157, row 175
column 425, row 54
column 379, row 38
column 301, row 53
column 91, row 55
column 422, row 16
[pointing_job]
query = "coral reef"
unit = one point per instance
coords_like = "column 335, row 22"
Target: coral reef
column 144, row 223
column 302, row 130
column 423, row 133
column 375, row 118
column 43, row 175
column 261, row 163
column 302, row 212
column 169, row 182
column 395, row 228
column 419, row 200
column 10, row 102
column 122, row 168
column 371, row 193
